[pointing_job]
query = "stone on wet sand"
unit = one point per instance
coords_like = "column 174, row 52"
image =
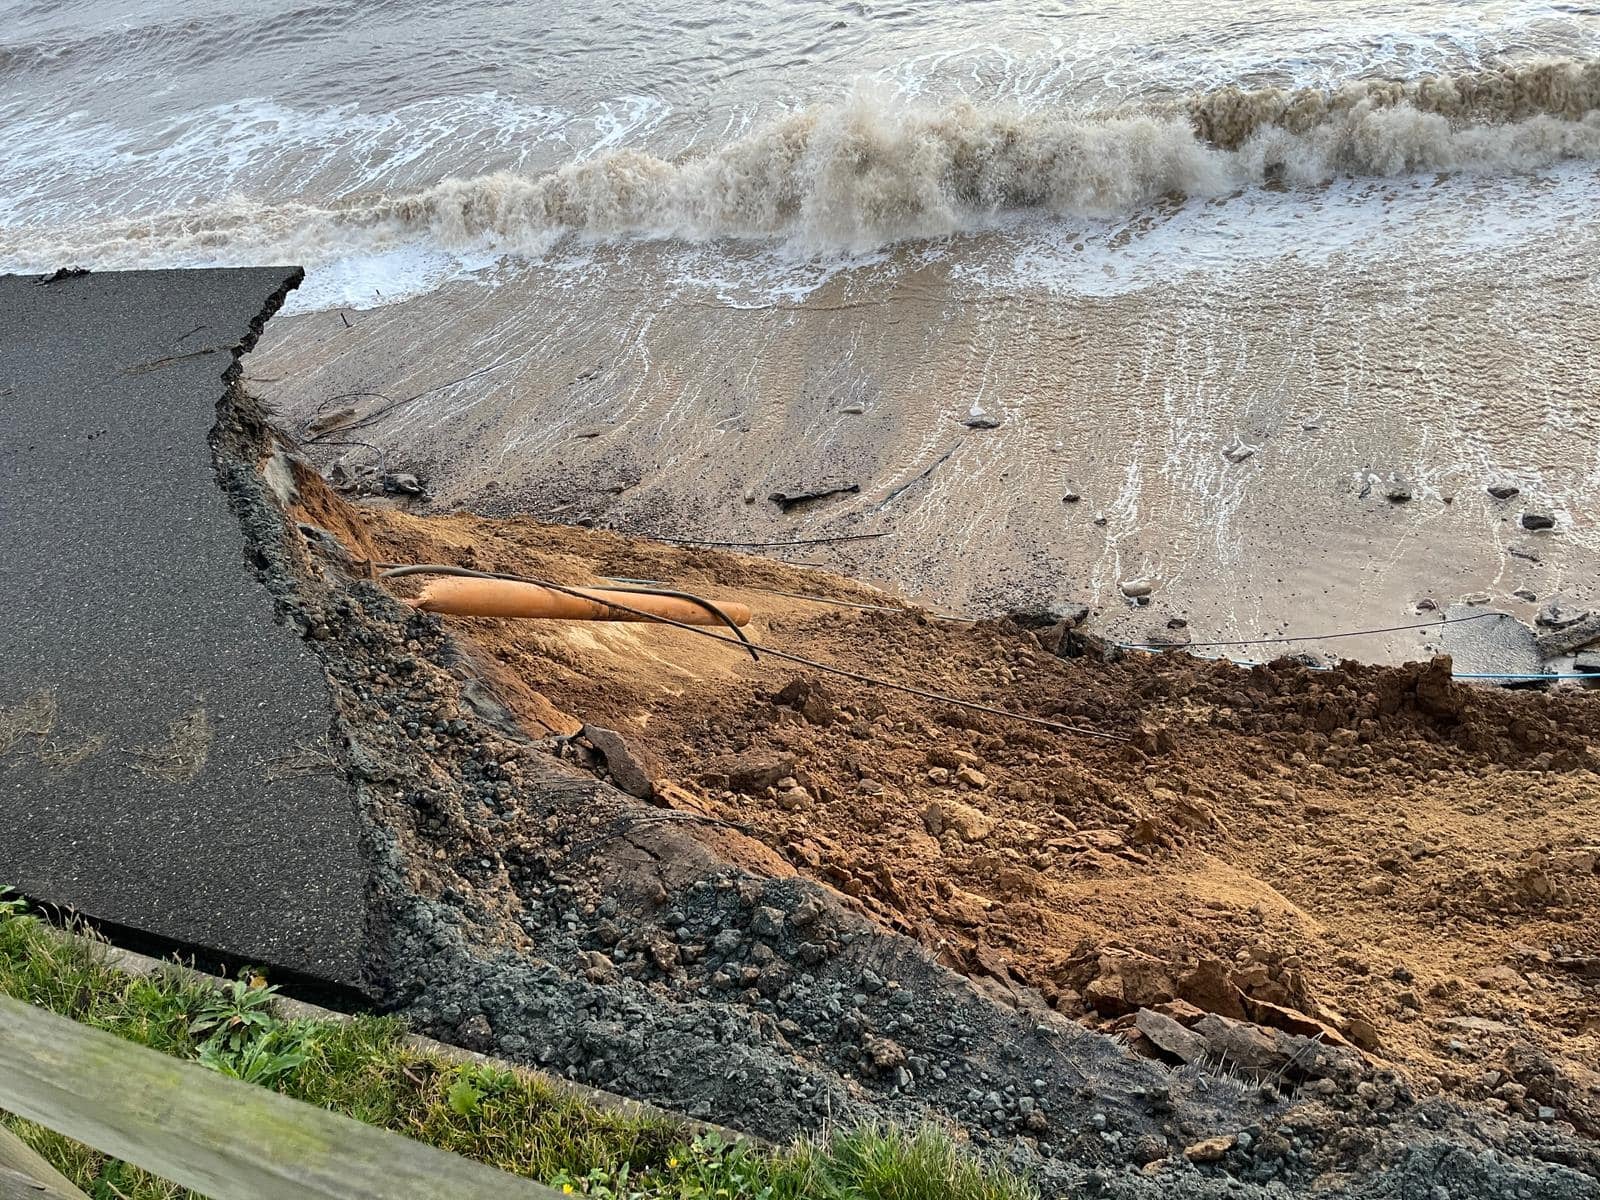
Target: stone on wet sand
column 801, row 494
column 1559, row 614
column 1047, row 614
column 1577, row 635
column 1237, row 451
column 1173, row 633
column 402, row 483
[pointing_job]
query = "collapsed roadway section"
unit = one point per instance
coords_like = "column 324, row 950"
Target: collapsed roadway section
column 220, row 728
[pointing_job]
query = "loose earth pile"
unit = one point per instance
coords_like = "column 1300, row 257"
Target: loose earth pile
column 1408, row 862
column 1339, row 917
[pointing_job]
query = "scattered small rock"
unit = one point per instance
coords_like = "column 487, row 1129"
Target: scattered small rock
column 1046, row 615
column 813, row 700
column 598, row 967
column 1538, row 520
column 401, row 484
column 1237, row 451
column 1503, row 491
column 966, row 822
column 1558, row 614
column 750, row 773
column 1398, row 492
column 885, row 1053
column 794, row 798
column 767, row 922
column 627, row 772
column 1210, row 1150
column 800, row 494
column 1134, row 589
column 331, row 420
column 979, row 419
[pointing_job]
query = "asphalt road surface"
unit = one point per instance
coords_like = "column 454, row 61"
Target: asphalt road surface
column 154, row 720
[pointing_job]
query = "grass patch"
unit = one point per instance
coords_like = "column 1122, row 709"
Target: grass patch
column 364, row 1069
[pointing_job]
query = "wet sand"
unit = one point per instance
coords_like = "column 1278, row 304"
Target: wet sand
column 676, row 411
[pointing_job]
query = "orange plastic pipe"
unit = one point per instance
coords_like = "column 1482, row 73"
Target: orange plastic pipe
column 462, row 596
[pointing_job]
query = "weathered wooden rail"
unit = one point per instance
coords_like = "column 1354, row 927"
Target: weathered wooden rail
column 223, row 1138
column 26, row 1176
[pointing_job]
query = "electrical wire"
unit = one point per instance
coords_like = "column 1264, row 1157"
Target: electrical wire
column 775, row 592
column 378, row 413
column 394, row 571
column 1311, row 637
column 398, row 571
column 888, row 608
column 821, row 541
column 1592, row 676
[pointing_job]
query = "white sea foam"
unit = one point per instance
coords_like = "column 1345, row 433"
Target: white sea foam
column 870, row 171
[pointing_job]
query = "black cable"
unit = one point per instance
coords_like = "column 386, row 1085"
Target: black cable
column 1307, row 637
column 393, row 572
column 398, row 571
column 843, row 537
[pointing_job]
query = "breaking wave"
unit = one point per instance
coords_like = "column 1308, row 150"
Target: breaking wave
column 861, row 173
column 868, row 171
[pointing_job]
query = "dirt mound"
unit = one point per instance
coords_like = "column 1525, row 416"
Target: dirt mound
column 760, row 929
column 1397, row 861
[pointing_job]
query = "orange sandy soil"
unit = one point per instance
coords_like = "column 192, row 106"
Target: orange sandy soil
column 1402, row 861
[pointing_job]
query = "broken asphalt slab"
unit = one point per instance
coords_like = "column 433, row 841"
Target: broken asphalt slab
column 164, row 759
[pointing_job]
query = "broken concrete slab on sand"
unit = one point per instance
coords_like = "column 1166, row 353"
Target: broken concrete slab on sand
column 1490, row 643
column 163, row 743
